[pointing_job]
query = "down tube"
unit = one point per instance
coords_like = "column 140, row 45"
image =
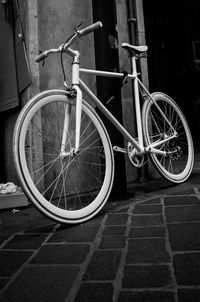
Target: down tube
column 111, row 118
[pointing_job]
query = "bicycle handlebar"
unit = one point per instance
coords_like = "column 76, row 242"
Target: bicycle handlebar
column 89, row 29
column 77, row 34
column 41, row 57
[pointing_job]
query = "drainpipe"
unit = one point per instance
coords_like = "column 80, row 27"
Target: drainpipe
column 137, row 33
column 132, row 20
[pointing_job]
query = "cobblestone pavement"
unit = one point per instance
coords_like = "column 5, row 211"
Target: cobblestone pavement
column 144, row 248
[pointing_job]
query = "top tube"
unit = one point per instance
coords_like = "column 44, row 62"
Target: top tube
column 106, row 73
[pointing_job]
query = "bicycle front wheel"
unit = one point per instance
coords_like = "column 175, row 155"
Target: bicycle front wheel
column 70, row 188
column 178, row 164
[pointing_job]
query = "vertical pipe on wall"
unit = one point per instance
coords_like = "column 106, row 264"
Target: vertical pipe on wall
column 32, row 45
column 131, row 20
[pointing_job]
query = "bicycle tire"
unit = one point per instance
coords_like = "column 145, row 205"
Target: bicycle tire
column 178, row 166
column 69, row 190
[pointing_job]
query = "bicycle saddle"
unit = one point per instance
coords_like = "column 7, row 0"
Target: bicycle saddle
column 134, row 50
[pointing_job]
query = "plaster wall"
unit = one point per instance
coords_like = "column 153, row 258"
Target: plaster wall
column 56, row 21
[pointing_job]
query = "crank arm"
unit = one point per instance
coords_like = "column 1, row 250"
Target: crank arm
column 118, row 149
column 155, row 151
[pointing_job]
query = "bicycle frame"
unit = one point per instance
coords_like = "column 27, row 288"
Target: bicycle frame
column 139, row 145
column 63, row 154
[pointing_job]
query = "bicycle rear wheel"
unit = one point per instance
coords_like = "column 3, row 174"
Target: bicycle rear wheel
column 178, row 164
column 71, row 188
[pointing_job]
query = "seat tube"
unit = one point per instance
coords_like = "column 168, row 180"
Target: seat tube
column 75, row 86
column 137, row 103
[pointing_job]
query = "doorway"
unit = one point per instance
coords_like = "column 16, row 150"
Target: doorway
column 172, row 35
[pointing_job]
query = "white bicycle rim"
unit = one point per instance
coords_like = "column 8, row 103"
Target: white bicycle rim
column 176, row 170
column 49, row 209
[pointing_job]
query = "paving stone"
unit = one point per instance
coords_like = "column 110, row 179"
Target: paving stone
column 147, row 209
column 117, row 219
column 181, row 200
column 61, row 254
column 184, row 236
column 2, row 239
column 123, row 210
column 3, row 282
column 182, row 213
column 114, row 230
column 187, row 268
column 183, row 192
column 47, row 228
column 97, row 292
column 112, row 242
column 25, row 242
column 189, row 295
column 42, row 284
column 146, row 220
column 146, row 296
column 141, row 232
column 138, row 276
column 80, row 233
column 10, row 261
column 147, row 251
column 153, row 201
column 103, row 265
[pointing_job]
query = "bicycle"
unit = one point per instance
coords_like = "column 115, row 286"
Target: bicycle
column 62, row 151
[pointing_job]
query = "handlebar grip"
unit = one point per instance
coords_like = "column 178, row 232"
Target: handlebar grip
column 90, row 28
column 41, row 57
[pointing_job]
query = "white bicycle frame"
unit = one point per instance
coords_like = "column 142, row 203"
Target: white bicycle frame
column 76, row 82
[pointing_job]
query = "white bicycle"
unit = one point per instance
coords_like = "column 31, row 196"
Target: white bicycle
column 63, row 153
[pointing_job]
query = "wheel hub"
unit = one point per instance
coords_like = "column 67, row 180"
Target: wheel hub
column 72, row 152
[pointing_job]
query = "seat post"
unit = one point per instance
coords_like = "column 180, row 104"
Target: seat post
column 134, row 67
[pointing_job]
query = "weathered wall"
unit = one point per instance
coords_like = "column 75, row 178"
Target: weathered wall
column 56, row 20
column 50, row 23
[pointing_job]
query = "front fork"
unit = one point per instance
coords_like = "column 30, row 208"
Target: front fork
column 73, row 149
column 78, row 117
column 75, row 90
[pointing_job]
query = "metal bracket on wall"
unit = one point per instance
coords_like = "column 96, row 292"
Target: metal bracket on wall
column 134, row 20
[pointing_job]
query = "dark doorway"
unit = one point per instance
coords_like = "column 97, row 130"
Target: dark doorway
column 109, row 89
column 172, row 35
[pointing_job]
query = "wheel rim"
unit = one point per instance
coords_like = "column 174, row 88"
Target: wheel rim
column 178, row 164
column 73, row 187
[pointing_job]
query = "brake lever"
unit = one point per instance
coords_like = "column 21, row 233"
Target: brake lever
column 76, row 27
